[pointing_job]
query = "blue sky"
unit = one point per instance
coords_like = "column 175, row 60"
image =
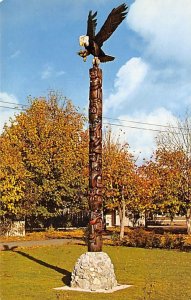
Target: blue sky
column 149, row 81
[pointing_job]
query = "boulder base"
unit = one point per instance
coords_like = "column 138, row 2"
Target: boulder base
column 93, row 271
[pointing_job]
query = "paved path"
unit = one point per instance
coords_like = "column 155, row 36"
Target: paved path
column 8, row 245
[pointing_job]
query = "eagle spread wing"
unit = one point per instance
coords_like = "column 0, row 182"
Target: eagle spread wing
column 92, row 22
column 116, row 16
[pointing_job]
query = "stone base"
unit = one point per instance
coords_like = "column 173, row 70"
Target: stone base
column 93, row 271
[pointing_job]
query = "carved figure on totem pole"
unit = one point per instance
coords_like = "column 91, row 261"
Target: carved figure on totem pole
column 93, row 44
column 95, row 160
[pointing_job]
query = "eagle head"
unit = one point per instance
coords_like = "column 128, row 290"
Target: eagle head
column 84, row 40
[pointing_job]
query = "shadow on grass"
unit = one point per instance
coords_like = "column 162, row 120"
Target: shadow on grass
column 67, row 275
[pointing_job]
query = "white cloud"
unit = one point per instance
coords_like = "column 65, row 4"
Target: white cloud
column 156, row 86
column 128, row 79
column 140, row 85
column 148, row 95
column 142, row 141
column 165, row 26
column 7, row 113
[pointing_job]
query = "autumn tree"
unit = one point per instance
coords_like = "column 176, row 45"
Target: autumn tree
column 149, row 186
column 118, row 177
column 13, row 180
column 174, row 147
column 173, row 191
column 50, row 147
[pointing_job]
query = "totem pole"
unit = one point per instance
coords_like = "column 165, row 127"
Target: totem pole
column 93, row 45
column 94, row 270
column 95, row 160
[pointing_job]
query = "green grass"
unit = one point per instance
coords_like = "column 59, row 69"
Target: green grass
column 32, row 273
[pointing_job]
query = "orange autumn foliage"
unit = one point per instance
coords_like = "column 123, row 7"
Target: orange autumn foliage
column 43, row 159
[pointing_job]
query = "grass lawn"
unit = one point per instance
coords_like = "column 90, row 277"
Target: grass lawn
column 32, row 273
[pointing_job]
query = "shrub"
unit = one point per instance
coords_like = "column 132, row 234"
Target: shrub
column 137, row 238
column 5, row 226
column 115, row 237
column 172, row 241
column 144, row 239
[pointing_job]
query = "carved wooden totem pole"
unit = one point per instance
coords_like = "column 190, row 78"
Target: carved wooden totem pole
column 95, row 160
column 93, row 45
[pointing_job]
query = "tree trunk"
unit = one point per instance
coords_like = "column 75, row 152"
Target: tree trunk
column 122, row 219
column 146, row 217
column 188, row 220
column 95, row 160
column 172, row 220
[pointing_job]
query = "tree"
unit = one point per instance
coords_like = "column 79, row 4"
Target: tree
column 176, row 142
column 13, row 180
column 149, row 187
column 174, row 188
column 118, row 177
column 49, row 142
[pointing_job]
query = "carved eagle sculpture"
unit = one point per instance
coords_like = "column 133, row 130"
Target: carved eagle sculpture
column 92, row 42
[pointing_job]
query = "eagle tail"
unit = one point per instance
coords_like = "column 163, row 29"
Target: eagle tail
column 106, row 58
